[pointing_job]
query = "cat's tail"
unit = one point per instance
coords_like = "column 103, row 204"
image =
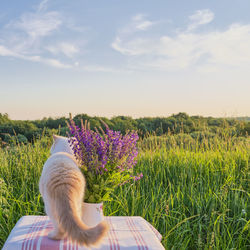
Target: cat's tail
column 69, row 219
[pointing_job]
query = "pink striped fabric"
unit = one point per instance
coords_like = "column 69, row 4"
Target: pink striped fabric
column 157, row 234
column 125, row 233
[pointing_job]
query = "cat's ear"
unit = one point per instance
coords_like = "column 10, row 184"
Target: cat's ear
column 55, row 137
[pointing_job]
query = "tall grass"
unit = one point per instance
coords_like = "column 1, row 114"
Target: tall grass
column 20, row 169
column 194, row 191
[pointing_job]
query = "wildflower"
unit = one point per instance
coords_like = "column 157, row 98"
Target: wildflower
column 105, row 155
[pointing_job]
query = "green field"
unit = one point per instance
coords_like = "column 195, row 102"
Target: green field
column 195, row 192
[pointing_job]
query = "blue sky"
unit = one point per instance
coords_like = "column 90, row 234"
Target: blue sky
column 116, row 57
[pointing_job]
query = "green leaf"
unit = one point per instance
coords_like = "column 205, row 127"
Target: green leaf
column 90, row 175
column 98, row 198
column 91, row 199
column 96, row 188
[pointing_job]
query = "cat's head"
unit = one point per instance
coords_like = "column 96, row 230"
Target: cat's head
column 61, row 144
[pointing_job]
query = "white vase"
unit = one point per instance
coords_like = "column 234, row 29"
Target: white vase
column 92, row 213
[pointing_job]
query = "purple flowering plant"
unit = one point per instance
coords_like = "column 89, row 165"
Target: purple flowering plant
column 106, row 158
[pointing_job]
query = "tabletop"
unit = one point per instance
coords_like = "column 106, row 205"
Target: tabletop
column 126, row 232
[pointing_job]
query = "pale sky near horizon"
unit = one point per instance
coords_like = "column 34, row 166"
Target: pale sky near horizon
column 114, row 57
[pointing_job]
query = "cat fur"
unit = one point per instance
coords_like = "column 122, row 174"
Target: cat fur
column 62, row 187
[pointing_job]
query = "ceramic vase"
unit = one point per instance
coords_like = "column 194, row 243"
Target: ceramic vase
column 92, row 213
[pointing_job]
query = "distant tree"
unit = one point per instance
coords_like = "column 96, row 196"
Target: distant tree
column 4, row 118
column 181, row 116
column 180, row 123
column 145, row 125
column 77, row 119
column 7, row 138
column 123, row 123
column 94, row 123
column 215, row 122
column 246, row 129
column 21, row 139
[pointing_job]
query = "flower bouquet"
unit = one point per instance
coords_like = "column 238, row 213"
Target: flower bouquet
column 106, row 158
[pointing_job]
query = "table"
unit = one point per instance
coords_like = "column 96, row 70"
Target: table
column 132, row 232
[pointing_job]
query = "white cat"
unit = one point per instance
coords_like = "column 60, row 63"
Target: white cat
column 62, row 188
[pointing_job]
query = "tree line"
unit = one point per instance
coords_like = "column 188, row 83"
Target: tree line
column 12, row 131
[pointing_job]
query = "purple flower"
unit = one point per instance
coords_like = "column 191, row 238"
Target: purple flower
column 104, row 153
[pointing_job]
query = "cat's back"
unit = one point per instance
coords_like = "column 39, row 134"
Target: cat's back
column 62, row 160
column 59, row 164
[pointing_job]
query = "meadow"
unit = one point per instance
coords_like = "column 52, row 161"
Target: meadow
column 194, row 191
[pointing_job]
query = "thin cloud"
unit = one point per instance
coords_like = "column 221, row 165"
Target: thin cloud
column 137, row 23
column 24, row 37
column 6, row 52
column 43, row 5
column 208, row 50
column 134, row 46
column 47, row 61
column 68, row 49
column 103, row 69
column 55, row 63
column 37, row 25
column 200, row 17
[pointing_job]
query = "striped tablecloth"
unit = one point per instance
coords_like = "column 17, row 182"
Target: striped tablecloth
column 134, row 232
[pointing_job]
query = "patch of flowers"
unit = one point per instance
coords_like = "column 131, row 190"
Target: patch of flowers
column 106, row 158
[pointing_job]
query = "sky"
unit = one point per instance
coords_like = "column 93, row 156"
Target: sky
column 139, row 58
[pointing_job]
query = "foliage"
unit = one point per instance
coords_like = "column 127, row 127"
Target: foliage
column 4, row 118
column 106, row 159
column 174, row 124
